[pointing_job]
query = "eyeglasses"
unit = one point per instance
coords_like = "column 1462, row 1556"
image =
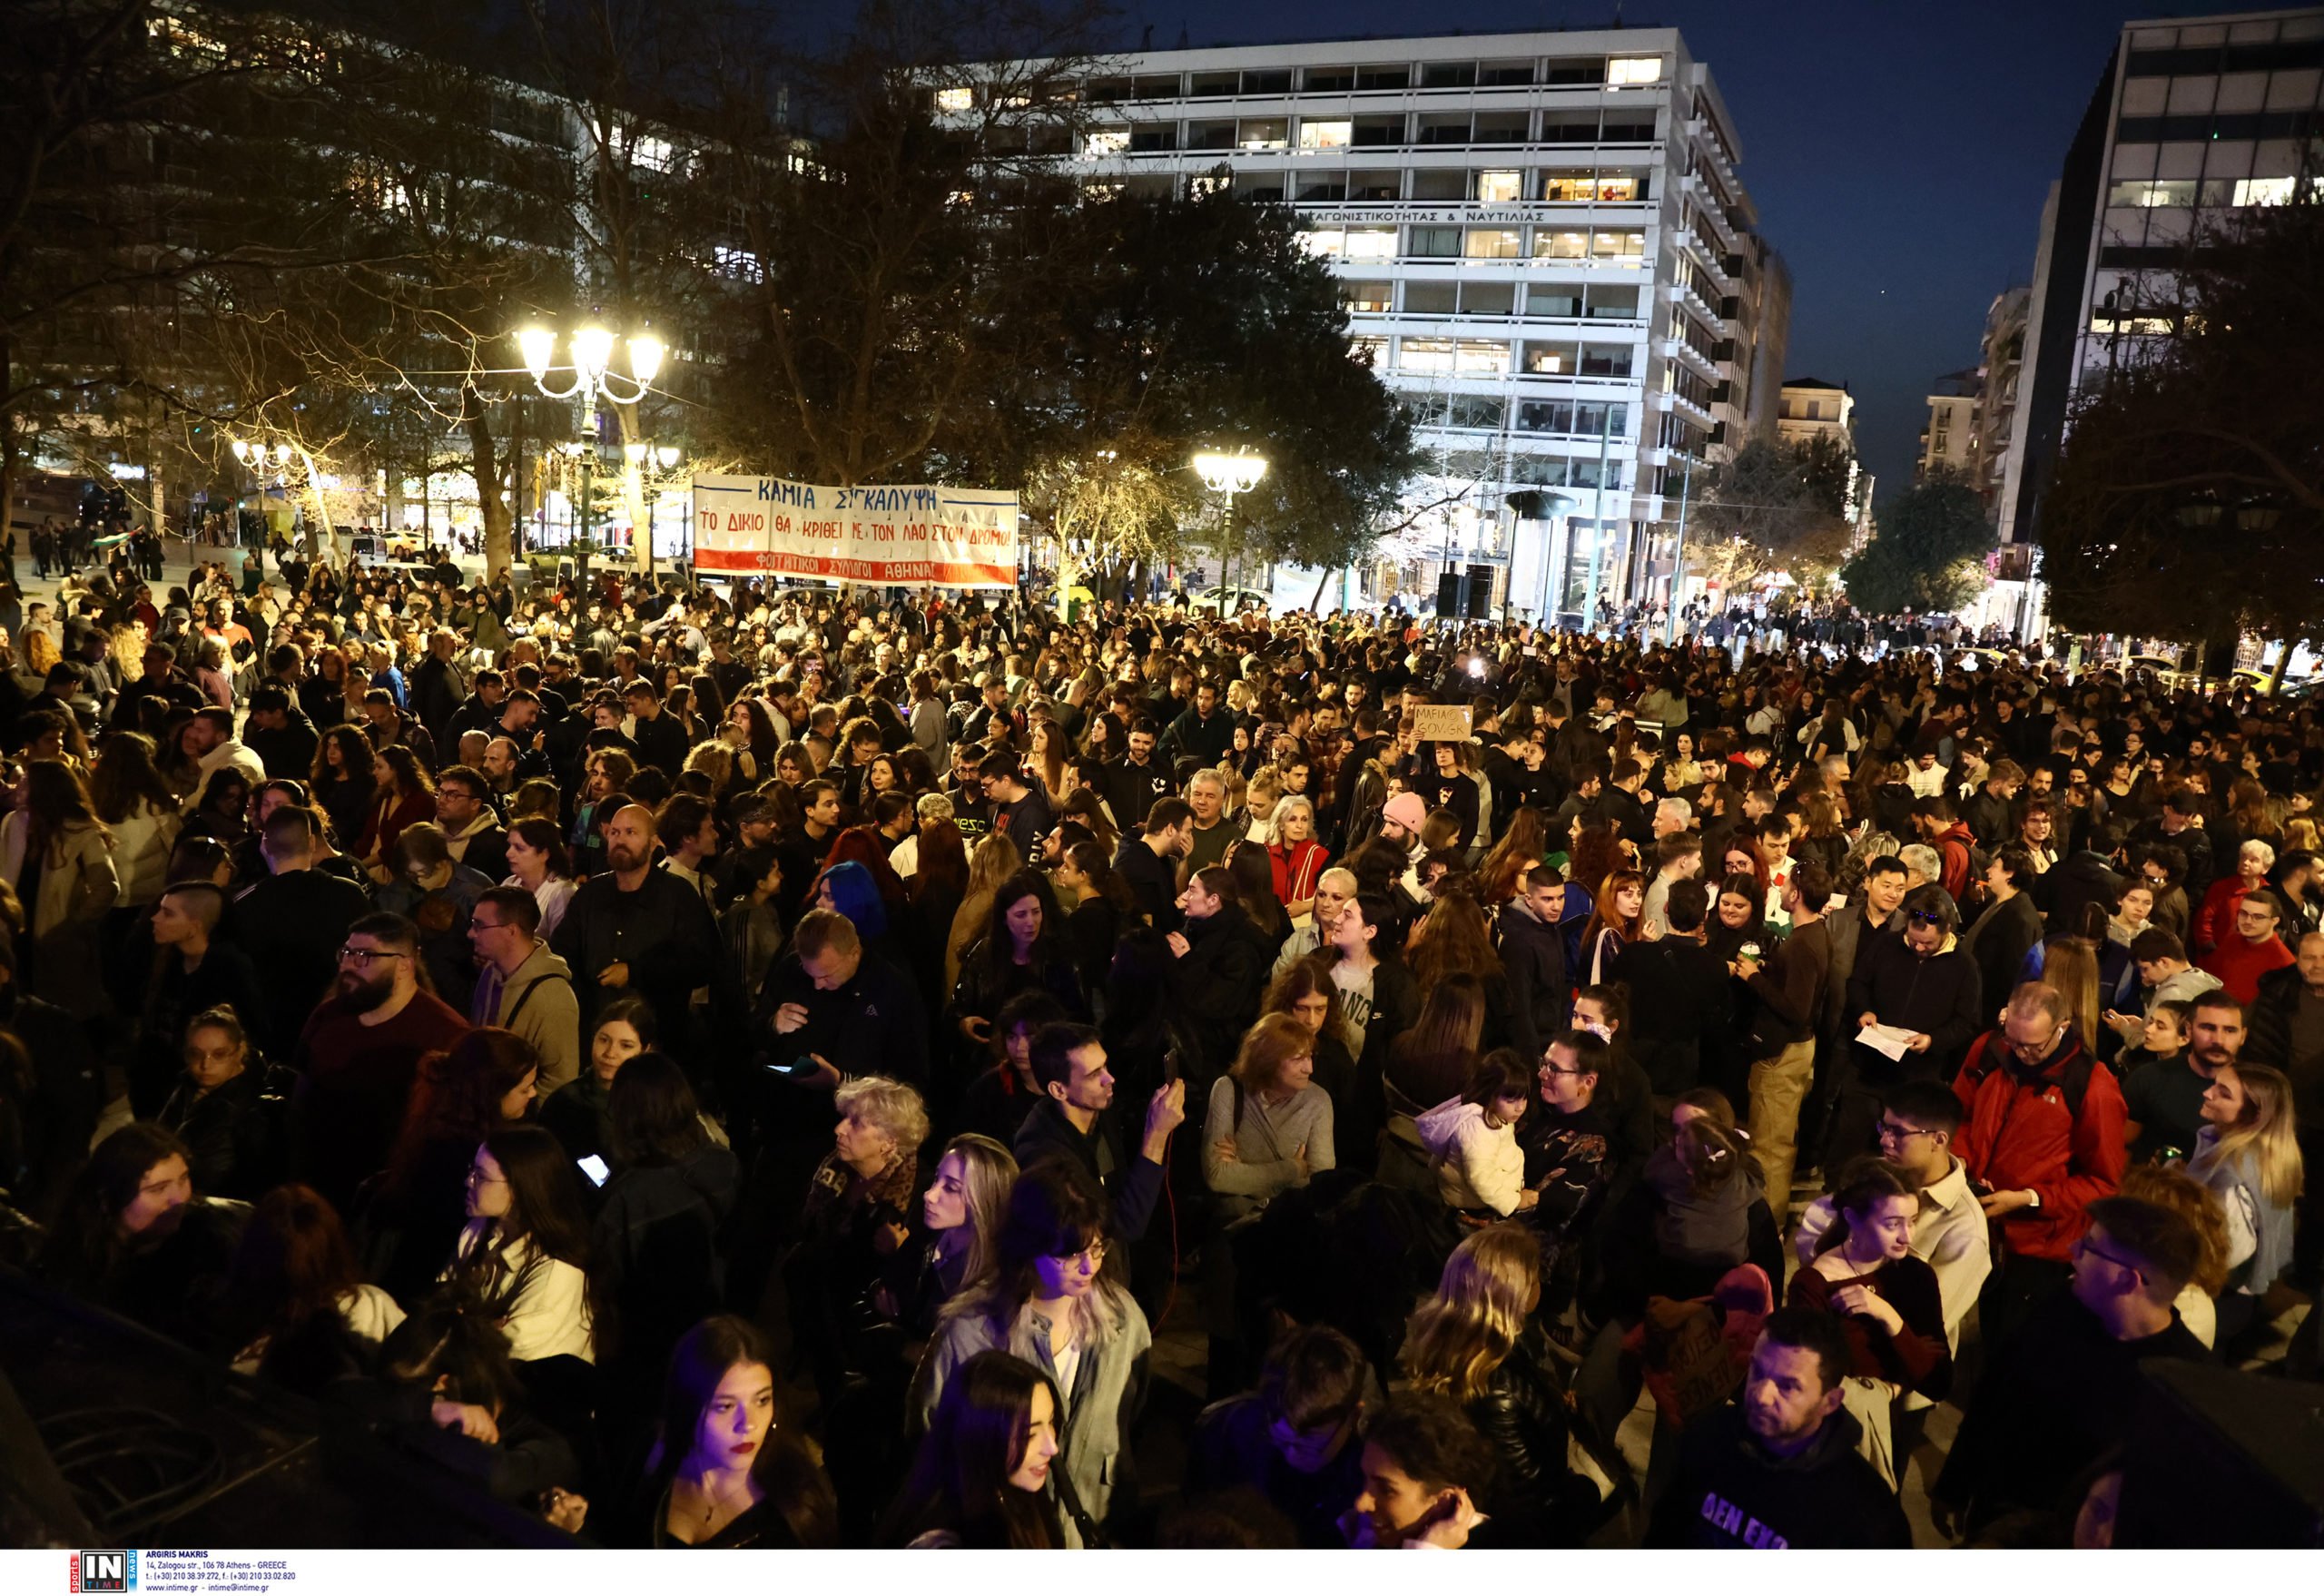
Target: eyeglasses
column 478, row 1178
column 2086, row 1246
column 1889, row 1132
column 1924, row 917
column 485, row 925
column 1095, row 1252
column 353, row 955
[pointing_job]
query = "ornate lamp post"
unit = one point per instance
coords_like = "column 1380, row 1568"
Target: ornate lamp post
column 1227, row 474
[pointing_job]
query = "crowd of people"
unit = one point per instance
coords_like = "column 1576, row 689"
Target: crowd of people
column 760, row 1067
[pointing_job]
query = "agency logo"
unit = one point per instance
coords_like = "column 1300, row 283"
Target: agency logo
column 104, row 1573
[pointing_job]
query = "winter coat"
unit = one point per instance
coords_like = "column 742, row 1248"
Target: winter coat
column 1939, row 996
column 1478, row 1166
column 1540, row 991
column 78, row 884
column 1218, row 983
column 2022, row 1132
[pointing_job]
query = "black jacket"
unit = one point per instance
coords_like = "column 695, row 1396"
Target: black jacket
column 1522, row 1415
column 1997, row 944
column 1939, row 996
column 1539, row 995
column 661, row 743
column 288, row 751
column 291, row 926
column 1218, row 983
column 2269, row 1041
column 230, row 1132
column 870, row 1025
column 1133, row 1182
column 1680, row 996
column 2058, row 1395
column 1731, row 1492
column 655, row 1248
column 1153, row 880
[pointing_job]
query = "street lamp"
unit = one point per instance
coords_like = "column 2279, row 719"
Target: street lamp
column 591, row 348
column 1227, row 474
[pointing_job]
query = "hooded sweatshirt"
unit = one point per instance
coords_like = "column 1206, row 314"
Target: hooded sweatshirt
column 538, row 1004
column 1733, row 1494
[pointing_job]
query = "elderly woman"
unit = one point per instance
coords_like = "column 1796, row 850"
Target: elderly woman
column 857, row 1214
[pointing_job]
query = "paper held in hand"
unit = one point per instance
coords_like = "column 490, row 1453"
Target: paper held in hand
column 1894, row 1040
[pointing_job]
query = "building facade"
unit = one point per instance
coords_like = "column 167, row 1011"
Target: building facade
column 1811, row 409
column 1949, row 437
column 1546, row 252
column 2191, row 121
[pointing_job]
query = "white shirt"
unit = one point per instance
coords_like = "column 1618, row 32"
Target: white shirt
column 1925, row 783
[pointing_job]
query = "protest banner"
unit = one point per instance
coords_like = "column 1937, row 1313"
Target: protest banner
column 906, row 536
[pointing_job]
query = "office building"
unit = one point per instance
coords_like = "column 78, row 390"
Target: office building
column 2191, row 121
column 1546, row 251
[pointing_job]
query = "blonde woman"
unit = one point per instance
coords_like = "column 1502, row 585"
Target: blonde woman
column 1269, row 1125
column 962, row 1209
column 1470, row 1343
column 1261, row 798
column 2247, row 1154
column 996, row 859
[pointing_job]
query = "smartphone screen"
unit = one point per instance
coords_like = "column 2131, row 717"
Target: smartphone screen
column 595, row 1168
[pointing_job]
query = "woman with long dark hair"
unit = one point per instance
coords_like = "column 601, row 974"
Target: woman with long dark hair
column 341, row 778
column 133, row 1237
column 724, row 1470
column 413, row 1212
column 524, row 1249
column 402, row 795
column 654, row 1253
column 983, row 1477
column 296, row 1308
column 538, row 862
column 1101, row 903
column 136, row 806
column 58, row 857
column 1022, row 950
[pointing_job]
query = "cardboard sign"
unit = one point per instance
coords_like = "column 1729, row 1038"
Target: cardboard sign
column 1441, row 723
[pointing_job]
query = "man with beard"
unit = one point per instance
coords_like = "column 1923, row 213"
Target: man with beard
column 1778, row 1467
column 359, row 1055
column 638, row 930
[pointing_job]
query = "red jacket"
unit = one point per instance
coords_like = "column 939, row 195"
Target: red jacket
column 1953, row 846
column 2240, row 962
column 2021, row 1135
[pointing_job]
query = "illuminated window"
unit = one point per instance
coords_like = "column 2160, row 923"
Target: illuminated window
column 1372, row 349
column 1368, row 299
column 1208, row 183
column 955, row 99
column 1616, row 187
column 1106, row 141
column 1263, row 132
column 1478, row 356
column 1566, row 187
column 2263, row 191
column 2146, row 194
column 1550, row 360
column 1425, row 354
column 2109, row 322
column 1628, row 70
column 1370, row 244
column 1324, row 242
column 652, row 153
column 1501, row 188
column 1566, row 246
column 1617, row 246
column 741, row 264
column 1492, row 244
column 1325, row 135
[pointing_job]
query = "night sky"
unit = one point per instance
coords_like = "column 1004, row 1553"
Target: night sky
column 1898, row 153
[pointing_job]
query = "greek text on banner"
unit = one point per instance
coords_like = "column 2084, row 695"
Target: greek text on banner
column 903, row 537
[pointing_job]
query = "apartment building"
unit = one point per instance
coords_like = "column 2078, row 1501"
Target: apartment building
column 1547, row 252
column 1949, row 438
